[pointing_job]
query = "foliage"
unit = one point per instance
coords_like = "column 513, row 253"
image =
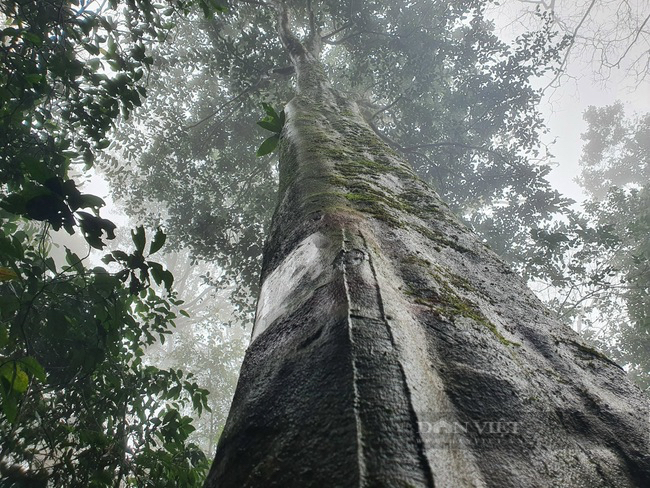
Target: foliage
column 615, row 171
column 597, row 262
column 79, row 406
column 274, row 123
column 77, row 400
column 624, row 309
column 616, row 150
column 608, row 36
column 430, row 76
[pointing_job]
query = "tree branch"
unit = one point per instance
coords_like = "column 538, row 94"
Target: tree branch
column 256, row 2
column 224, row 105
column 291, row 43
column 336, row 31
column 342, row 40
column 314, row 40
column 386, row 107
column 548, row 6
column 636, row 38
column 455, row 144
column 569, row 48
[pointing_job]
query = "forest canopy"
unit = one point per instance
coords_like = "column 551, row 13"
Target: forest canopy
column 171, row 102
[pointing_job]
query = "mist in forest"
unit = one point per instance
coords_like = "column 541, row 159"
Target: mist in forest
column 530, row 119
column 595, row 146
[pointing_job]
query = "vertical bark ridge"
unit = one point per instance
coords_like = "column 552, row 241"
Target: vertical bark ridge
column 415, row 423
column 391, row 446
column 355, row 374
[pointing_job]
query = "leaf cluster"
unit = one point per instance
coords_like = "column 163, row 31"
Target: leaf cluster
column 79, row 406
column 78, row 403
column 273, row 122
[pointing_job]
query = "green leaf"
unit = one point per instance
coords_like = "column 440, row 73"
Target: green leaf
column 158, row 241
column 105, row 281
column 138, row 238
column 10, row 408
column 269, row 145
column 93, row 228
column 37, row 169
column 32, row 366
column 33, row 78
column 9, row 304
column 270, row 111
column 74, row 260
column 4, row 336
column 168, row 279
column 267, row 124
column 272, row 122
column 16, row 378
column 161, row 275
column 86, row 200
column 33, row 38
column 120, row 255
column 156, row 271
column 7, row 274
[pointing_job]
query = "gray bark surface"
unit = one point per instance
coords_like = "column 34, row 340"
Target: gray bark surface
column 393, row 348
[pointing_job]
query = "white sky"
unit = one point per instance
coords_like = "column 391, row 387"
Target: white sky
column 563, row 111
column 564, row 106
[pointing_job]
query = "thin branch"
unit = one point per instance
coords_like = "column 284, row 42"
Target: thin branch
column 312, row 21
column 570, row 47
column 224, row 105
column 257, row 170
column 256, row 2
column 358, row 33
column 292, row 44
column 387, row 107
column 384, row 137
column 455, row 144
column 334, row 32
column 346, row 38
column 549, row 6
column 636, row 38
column 314, row 40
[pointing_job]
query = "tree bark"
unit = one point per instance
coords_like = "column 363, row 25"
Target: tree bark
column 391, row 347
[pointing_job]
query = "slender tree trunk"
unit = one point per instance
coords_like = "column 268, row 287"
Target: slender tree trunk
column 392, row 348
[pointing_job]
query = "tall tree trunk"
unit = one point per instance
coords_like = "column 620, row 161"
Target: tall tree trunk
column 391, row 347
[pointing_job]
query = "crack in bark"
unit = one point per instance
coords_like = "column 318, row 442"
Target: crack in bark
column 355, row 375
column 380, row 374
column 426, row 465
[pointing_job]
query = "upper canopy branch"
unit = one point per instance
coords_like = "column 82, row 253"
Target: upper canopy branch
column 336, row 31
column 292, row 44
column 304, row 56
column 314, row 41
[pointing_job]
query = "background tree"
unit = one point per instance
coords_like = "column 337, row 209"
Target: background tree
column 447, row 93
column 615, row 172
column 79, row 407
column 609, row 36
column 378, row 309
column 208, row 342
column 593, row 266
